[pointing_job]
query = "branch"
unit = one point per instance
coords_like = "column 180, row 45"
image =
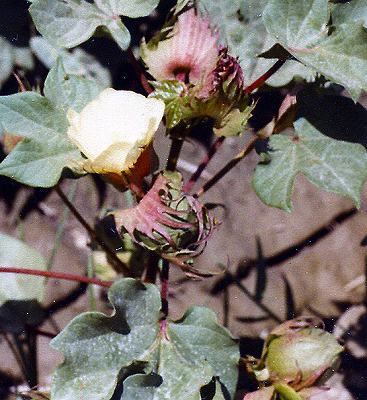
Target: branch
column 231, row 164
column 120, row 266
column 263, row 78
column 201, row 167
column 56, row 275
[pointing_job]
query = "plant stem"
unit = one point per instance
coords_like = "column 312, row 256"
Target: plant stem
column 201, row 167
column 263, row 78
column 120, row 266
column 164, row 287
column 139, row 71
column 174, row 153
column 56, row 275
column 15, row 354
column 263, row 307
column 231, row 164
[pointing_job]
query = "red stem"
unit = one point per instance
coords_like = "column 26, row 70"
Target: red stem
column 139, row 72
column 263, row 78
column 196, row 175
column 56, row 275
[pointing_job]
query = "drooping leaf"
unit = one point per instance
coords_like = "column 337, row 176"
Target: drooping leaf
column 241, row 28
column 46, row 150
column 68, row 23
column 15, row 253
column 75, row 62
column 332, row 165
column 179, row 358
column 301, row 28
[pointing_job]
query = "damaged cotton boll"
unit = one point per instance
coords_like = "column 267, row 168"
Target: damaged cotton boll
column 114, row 132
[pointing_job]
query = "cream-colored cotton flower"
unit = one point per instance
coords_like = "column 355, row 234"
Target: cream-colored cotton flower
column 113, row 130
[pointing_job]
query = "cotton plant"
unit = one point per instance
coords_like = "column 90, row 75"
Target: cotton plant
column 201, row 67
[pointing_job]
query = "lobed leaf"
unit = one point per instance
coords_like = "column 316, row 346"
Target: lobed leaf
column 332, row 165
column 301, row 28
column 178, row 358
column 68, row 23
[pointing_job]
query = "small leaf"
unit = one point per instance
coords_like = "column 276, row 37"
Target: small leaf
column 179, row 358
column 335, row 166
column 14, row 253
column 301, row 27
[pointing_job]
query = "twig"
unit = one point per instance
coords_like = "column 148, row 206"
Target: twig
column 201, row 167
column 56, row 275
column 231, row 164
column 263, row 78
column 261, row 305
column 112, row 255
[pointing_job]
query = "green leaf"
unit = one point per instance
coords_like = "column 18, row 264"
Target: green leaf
column 11, row 56
column 39, row 163
column 65, row 23
column 131, row 8
column 353, row 11
column 15, row 253
column 178, row 361
column 46, row 150
column 68, row 23
column 241, row 27
column 69, row 91
column 301, row 27
column 41, row 157
column 332, row 165
column 75, row 62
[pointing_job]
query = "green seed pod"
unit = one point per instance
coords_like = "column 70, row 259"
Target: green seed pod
column 302, row 357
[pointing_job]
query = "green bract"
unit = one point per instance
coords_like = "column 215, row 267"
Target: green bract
column 68, row 23
column 100, row 350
